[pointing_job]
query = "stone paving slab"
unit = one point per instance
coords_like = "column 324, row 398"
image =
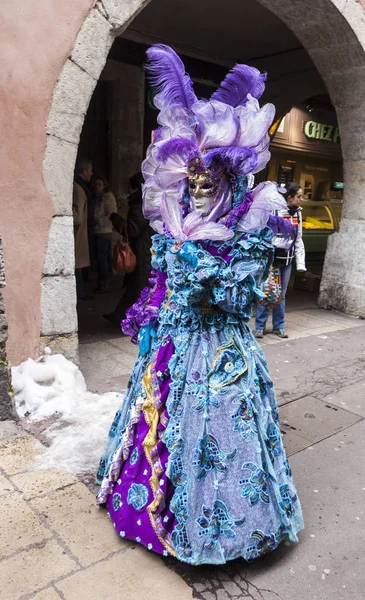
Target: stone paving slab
column 82, row 526
column 85, row 560
column 327, row 564
column 322, row 366
column 31, row 570
column 17, row 455
column 48, row 594
column 5, row 485
column 350, row 397
column 106, row 365
column 39, row 483
column 10, row 430
column 20, row 526
column 133, row 575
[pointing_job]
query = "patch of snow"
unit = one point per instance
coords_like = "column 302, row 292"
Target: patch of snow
column 53, row 386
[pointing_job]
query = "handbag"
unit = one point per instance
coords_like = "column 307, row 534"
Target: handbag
column 272, row 288
column 124, row 259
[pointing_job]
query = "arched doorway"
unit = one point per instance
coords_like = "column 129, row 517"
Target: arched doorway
column 331, row 32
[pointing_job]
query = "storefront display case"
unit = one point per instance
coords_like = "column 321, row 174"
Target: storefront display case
column 320, row 219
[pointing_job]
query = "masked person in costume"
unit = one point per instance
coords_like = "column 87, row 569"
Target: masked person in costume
column 194, row 466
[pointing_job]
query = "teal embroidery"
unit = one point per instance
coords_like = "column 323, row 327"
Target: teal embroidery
column 117, row 501
column 287, row 501
column 264, row 542
column 215, row 522
column 134, row 457
column 243, row 418
column 254, row 487
column 273, row 441
column 208, row 456
column 228, row 366
column 137, row 496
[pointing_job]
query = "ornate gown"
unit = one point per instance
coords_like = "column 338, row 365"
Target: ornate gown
column 194, row 465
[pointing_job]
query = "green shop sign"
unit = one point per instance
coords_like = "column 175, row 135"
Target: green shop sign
column 321, row 131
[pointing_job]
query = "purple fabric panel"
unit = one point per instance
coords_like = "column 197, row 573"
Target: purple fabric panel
column 213, row 250
column 237, row 213
column 283, row 227
column 132, row 493
column 147, row 306
column 130, row 522
column 158, row 294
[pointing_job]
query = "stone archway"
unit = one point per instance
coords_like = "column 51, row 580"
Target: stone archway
column 332, row 32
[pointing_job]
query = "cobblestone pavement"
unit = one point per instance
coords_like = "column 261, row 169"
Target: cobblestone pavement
column 56, row 544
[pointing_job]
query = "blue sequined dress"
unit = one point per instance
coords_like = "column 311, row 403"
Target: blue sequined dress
column 195, row 465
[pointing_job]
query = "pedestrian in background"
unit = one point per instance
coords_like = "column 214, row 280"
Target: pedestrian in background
column 139, row 234
column 105, row 206
column 83, row 175
column 283, row 259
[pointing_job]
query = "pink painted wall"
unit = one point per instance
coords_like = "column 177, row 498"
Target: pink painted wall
column 36, row 37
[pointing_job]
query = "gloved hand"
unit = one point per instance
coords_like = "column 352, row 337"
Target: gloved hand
column 145, row 337
column 187, row 252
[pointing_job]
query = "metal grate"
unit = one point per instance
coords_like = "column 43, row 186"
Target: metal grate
column 308, row 420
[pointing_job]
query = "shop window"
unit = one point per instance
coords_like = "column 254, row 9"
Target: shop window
column 336, row 207
column 317, row 216
column 307, row 185
column 285, row 174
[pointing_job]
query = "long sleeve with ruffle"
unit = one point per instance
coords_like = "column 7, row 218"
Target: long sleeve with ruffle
column 147, row 307
column 231, row 284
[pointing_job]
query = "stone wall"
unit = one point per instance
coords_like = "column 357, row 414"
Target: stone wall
column 6, row 408
column 71, row 99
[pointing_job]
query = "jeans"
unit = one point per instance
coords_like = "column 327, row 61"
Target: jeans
column 278, row 313
column 102, row 245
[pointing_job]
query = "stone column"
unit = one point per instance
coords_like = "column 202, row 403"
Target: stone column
column 343, row 279
column 333, row 34
column 6, row 405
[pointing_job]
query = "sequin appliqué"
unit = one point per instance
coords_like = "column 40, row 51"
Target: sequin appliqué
column 137, row 496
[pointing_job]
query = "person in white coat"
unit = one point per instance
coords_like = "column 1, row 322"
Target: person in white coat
column 283, row 259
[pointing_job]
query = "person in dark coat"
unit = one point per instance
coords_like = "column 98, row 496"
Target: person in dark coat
column 83, row 175
column 80, row 203
column 139, row 234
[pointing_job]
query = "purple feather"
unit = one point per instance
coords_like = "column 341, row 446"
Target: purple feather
column 181, row 146
column 240, row 81
column 283, row 227
column 237, row 159
column 167, row 73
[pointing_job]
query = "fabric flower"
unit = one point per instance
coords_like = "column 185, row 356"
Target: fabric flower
column 254, row 122
column 217, row 124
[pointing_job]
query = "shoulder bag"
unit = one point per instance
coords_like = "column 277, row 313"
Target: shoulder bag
column 124, row 259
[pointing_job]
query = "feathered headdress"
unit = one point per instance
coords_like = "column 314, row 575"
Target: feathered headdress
column 229, row 132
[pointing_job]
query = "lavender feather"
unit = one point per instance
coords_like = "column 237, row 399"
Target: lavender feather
column 171, row 215
column 179, row 146
column 167, row 73
column 240, row 81
column 237, row 159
